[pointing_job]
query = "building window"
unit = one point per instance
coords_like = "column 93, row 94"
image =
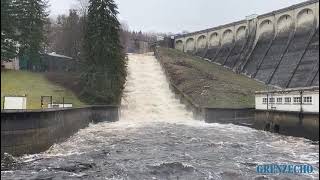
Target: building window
column 307, row 100
column 297, row 99
column 287, row 100
column 264, row 100
column 271, row 100
column 279, row 100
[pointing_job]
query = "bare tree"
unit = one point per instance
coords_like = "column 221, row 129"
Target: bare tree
column 66, row 34
column 83, row 7
column 124, row 36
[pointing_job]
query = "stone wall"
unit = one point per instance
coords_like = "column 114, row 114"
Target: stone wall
column 28, row 132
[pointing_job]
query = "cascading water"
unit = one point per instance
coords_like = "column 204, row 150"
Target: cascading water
column 147, row 97
column 157, row 138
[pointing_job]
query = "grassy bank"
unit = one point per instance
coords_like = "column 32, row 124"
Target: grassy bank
column 34, row 85
column 208, row 84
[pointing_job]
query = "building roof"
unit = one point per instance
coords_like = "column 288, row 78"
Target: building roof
column 58, row 55
column 311, row 88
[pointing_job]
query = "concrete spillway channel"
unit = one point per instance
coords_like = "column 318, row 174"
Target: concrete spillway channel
column 157, row 138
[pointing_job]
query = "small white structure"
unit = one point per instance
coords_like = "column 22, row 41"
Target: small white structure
column 59, row 55
column 69, row 105
column 295, row 99
column 160, row 38
column 15, row 102
column 13, row 64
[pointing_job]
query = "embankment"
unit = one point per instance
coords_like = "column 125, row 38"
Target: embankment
column 219, row 95
column 207, row 84
column 213, row 93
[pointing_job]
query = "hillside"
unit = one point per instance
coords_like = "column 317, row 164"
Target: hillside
column 34, row 85
column 208, row 84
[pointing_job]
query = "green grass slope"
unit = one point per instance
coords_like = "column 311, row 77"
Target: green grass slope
column 34, row 85
column 208, row 84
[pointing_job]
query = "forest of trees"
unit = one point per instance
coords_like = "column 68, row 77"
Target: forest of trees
column 22, row 29
column 65, row 35
column 90, row 33
column 25, row 25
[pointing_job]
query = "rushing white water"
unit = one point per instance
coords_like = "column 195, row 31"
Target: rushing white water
column 157, row 138
column 147, row 97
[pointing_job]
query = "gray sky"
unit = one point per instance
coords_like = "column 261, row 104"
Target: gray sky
column 177, row 15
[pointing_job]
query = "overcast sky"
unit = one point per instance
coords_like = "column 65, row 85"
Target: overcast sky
column 177, row 15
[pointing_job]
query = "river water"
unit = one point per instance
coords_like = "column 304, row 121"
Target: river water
column 157, row 138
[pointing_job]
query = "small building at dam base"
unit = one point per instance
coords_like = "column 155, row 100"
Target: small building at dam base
column 291, row 100
column 292, row 111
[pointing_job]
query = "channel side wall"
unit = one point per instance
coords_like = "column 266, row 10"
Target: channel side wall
column 241, row 116
column 30, row 132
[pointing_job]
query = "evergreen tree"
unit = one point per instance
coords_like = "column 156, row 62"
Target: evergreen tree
column 104, row 59
column 8, row 30
column 32, row 17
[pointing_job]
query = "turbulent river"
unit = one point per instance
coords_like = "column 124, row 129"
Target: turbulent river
column 157, row 138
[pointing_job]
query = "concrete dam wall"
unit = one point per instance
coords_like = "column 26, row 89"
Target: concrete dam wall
column 280, row 48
